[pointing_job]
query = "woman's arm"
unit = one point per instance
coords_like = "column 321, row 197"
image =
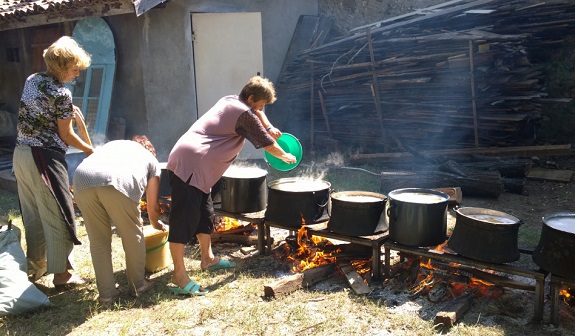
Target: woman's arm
column 153, row 204
column 67, row 134
column 275, row 150
column 274, row 132
column 81, row 125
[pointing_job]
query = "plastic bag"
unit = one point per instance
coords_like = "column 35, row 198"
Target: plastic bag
column 17, row 294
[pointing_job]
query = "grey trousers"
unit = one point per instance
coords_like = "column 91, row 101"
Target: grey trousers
column 100, row 207
column 47, row 238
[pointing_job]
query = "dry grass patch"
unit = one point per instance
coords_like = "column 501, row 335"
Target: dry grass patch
column 236, row 304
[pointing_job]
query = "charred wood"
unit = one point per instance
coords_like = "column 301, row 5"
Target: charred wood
column 234, row 238
column 473, row 183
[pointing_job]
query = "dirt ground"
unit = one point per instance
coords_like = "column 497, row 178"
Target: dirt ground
column 538, row 199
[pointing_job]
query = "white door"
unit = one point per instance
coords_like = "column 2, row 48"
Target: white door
column 227, row 52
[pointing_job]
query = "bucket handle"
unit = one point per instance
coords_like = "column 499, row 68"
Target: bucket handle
column 148, row 251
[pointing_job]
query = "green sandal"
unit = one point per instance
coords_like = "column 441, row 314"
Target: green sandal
column 191, row 288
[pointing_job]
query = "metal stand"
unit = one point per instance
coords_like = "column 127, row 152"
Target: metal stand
column 537, row 275
column 375, row 242
column 556, row 283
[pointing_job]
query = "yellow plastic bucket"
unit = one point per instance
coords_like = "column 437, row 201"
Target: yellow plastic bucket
column 157, row 252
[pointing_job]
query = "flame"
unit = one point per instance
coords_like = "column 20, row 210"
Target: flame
column 432, row 275
column 567, row 295
column 428, row 265
column 309, row 253
column 164, row 201
column 361, row 266
column 226, row 224
column 441, row 247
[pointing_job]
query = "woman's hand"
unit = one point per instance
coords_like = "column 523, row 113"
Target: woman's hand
column 289, row 158
column 159, row 225
column 274, row 132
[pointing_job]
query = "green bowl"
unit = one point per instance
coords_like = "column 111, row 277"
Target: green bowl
column 290, row 144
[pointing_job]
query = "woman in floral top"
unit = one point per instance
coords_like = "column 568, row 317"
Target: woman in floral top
column 45, row 130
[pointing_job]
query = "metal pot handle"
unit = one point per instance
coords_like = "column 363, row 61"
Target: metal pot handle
column 389, row 212
column 454, row 210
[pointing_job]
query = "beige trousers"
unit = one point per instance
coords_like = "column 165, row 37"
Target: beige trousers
column 100, row 207
column 47, row 238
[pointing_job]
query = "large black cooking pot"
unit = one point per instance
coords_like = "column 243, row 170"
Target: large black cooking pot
column 485, row 235
column 555, row 252
column 294, row 201
column 417, row 217
column 356, row 213
column 243, row 190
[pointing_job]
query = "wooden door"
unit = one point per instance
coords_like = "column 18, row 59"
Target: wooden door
column 92, row 90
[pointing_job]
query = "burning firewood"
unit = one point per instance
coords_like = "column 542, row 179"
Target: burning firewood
column 294, row 282
column 306, row 251
column 233, row 238
column 355, row 280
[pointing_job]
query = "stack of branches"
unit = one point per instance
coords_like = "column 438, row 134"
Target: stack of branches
column 463, row 75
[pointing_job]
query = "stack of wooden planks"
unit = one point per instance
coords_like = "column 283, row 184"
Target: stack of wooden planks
column 463, row 74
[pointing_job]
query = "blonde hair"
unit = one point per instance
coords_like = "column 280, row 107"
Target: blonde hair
column 65, row 54
column 261, row 88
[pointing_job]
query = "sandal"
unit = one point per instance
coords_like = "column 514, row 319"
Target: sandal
column 191, row 288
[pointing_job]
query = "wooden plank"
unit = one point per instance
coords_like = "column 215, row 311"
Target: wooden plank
column 455, row 194
column 453, row 311
column 436, row 15
column 544, row 174
column 294, row 282
column 355, row 280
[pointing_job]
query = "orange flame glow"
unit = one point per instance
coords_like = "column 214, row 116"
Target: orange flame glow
column 226, row 224
column 567, row 295
column 309, row 253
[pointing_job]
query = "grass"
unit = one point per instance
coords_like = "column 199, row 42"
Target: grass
column 236, row 305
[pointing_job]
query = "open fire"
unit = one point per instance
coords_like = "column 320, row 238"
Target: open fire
column 307, row 251
column 567, row 295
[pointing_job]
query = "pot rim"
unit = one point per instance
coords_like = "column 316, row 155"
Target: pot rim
column 262, row 172
column 335, row 195
column 418, row 190
column 273, row 184
column 486, row 211
column 549, row 216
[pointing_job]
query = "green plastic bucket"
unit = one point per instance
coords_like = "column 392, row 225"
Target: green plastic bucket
column 290, row 144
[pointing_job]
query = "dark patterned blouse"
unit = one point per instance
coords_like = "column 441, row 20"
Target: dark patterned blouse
column 45, row 100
